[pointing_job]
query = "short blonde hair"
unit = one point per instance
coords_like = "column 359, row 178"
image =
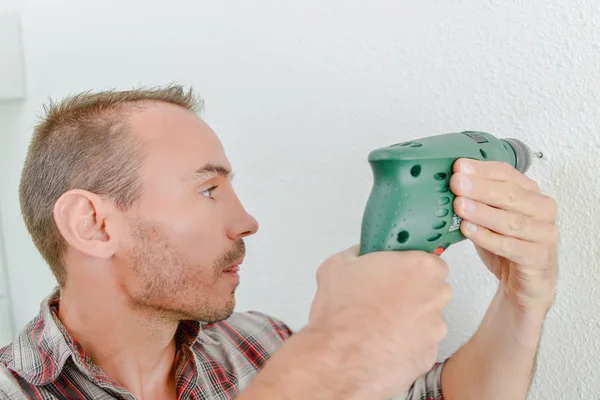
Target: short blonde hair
column 84, row 142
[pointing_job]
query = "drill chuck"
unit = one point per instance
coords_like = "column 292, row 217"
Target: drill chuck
column 522, row 154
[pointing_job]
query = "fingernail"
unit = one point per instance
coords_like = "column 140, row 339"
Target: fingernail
column 465, row 183
column 466, row 167
column 468, row 205
column 471, row 227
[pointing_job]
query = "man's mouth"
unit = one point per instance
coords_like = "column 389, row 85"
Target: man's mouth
column 232, row 269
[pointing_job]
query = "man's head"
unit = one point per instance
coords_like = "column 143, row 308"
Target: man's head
column 135, row 188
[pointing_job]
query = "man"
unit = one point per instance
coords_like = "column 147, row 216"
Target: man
column 128, row 197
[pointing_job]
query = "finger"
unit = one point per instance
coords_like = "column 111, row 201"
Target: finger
column 513, row 249
column 505, row 195
column 345, row 255
column 440, row 265
column 427, row 260
column 342, row 257
column 505, row 222
column 351, row 253
column 495, row 171
column 445, row 295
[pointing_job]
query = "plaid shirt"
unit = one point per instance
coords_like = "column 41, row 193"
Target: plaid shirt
column 213, row 361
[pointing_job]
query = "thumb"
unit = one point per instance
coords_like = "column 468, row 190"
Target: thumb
column 351, row 253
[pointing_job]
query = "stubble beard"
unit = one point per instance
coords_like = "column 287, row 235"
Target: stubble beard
column 163, row 274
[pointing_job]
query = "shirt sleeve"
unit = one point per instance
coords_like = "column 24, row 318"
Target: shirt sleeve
column 283, row 331
column 428, row 386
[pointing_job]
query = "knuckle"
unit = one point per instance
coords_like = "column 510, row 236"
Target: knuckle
column 419, row 259
column 434, row 264
column 508, row 171
column 516, row 222
column 427, row 260
column 512, row 194
column 443, row 268
column 446, row 294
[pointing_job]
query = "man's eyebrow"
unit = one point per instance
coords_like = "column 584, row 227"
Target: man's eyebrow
column 210, row 169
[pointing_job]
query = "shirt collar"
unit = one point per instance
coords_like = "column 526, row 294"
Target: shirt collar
column 44, row 346
column 41, row 348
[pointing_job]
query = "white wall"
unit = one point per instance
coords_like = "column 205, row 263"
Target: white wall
column 12, row 88
column 300, row 92
column 6, row 310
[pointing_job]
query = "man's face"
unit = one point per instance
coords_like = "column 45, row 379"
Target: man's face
column 182, row 242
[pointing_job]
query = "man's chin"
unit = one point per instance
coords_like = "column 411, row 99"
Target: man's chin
column 215, row 314
column 204, row 311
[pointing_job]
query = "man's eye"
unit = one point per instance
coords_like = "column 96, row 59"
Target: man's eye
column 209, row 191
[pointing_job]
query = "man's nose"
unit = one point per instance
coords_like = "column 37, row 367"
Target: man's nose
column 244, row 225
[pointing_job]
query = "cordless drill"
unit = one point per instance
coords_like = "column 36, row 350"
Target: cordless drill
column 410, row 206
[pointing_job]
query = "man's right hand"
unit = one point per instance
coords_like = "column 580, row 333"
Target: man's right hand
column 375, row 327
column 385, row 312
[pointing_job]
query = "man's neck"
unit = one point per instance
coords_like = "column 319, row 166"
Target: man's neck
column 134, row 349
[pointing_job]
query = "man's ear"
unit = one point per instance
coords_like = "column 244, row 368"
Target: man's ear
column 84, row 220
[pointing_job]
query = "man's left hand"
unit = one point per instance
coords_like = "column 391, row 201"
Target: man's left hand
column 513, row 227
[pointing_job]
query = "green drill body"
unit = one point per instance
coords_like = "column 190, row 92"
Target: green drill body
column 410, row 206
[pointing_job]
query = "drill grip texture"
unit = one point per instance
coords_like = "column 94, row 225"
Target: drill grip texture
column 410, row 206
